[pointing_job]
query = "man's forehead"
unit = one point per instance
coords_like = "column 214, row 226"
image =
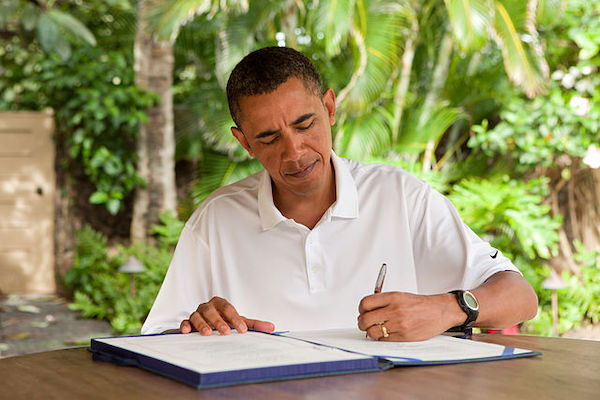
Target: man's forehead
column 289, row 102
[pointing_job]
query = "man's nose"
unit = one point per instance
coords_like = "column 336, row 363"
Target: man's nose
column 293, row 144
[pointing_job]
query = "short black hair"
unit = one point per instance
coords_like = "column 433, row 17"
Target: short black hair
column 263, row 70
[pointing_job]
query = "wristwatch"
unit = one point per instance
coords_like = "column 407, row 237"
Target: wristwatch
column 469, row 304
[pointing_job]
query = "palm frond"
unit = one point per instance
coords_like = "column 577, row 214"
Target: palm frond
column 216, row 170
column 234, row 40
column 548, row 12
column 165, row 18
column 522, row 64
column 216, row 131
column 332, row 18
column 72, row 25
column 470, row 20
column 419, row 131
column 365, row 136
column 382, row 34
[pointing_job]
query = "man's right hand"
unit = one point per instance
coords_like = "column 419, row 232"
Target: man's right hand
column 219, row 314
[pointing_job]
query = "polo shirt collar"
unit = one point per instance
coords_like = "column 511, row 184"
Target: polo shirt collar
column 345, row 206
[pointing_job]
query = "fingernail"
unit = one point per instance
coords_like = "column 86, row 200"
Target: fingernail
column 223, row 328
column 242, row 328
column 206, row 331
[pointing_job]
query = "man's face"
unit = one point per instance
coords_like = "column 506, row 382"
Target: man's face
column 289, row 132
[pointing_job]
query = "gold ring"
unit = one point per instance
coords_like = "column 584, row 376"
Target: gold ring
column 384, row 330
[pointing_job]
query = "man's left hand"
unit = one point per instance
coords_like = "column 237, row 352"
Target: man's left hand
column 408, row 317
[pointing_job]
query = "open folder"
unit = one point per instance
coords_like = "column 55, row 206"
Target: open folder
column 211, row 361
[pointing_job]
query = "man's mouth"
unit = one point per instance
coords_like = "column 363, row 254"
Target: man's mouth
column 302, row 172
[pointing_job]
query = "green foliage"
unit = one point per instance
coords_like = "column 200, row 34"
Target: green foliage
column 97, row 106
column 218, row 170
column 102, row 118
column 510, row 212
column 54, row 29
column 579, row 301
column 538, row 132
column 101, row 291
column 437, row 179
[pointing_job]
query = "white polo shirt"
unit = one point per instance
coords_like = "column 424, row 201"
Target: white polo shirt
column 237, row 245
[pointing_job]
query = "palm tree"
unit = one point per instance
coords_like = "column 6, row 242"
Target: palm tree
column 156, row 143
column 388, row 61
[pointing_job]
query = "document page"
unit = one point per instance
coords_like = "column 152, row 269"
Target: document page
column 216, row 353
column 438, row 349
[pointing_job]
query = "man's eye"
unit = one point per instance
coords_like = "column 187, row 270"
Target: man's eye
column 271, row 140
column 303, row 128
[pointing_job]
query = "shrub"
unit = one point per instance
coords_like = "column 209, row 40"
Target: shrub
column 101, row 291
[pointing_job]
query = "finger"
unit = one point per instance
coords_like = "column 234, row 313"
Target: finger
column 371, row 318
column 200, row 324
column 231, row 316
column 185, row 326
column 213, row 318
column 374, row 301
column 377, row 332
column 259, row 325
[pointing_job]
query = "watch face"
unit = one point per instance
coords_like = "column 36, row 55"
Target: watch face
column 471, row 300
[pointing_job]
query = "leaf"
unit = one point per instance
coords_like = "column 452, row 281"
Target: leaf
column 217, row 132
column 217, row 170
column 165, row 18
column 333, row 19
column 415, row 136
column 72, row 25
column 521, row 62
column 365, row 136
column 113, row 206
column 549, row 12
column 98, row 197
column 470, row 21
column 234, row 40
column 29, row 18
column 382, row 38
column 50, row 37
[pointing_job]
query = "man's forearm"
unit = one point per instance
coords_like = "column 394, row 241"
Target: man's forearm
column 505, row 299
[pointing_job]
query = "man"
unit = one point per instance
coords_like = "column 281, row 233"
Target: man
column 299, row 245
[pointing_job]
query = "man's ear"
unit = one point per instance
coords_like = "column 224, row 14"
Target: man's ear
column 329, row 103
column 239, row 135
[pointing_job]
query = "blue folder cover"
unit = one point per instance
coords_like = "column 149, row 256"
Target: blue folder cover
column 351, row 359
column 113, row 353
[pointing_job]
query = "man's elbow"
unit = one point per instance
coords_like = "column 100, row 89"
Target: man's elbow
column 530, row 303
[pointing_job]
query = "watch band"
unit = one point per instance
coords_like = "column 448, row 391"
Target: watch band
column 472, row 311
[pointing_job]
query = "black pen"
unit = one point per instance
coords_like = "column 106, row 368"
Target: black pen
column 379, row 282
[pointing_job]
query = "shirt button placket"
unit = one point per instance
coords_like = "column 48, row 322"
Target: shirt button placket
column 313, row 263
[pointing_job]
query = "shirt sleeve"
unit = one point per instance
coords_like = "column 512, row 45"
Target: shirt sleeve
column 448, row 255
column 185, row 286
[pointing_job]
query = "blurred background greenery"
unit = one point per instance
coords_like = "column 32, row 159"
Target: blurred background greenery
column 496, row 103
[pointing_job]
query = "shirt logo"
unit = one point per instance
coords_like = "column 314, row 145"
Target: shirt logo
column 495, row 254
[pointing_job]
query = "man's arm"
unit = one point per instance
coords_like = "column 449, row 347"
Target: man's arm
column 505, row 299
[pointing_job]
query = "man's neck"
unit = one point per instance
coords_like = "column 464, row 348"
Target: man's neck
column 306, row 209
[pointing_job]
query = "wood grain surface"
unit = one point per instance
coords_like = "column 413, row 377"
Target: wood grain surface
column 568, row 369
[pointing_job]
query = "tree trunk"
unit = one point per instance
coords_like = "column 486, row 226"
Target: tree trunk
column 578, row 201
column 156, row 143
column 438, row 80
column 402, row 86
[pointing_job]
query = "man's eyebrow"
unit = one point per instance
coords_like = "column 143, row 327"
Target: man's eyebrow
column 302, row 118
column 266, row 133
column 297, row 121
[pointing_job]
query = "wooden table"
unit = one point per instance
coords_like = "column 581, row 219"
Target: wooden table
column 568, row 369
